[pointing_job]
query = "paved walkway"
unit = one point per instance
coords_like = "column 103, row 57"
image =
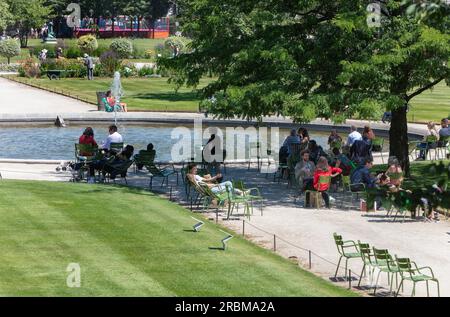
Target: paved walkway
column 22, row 99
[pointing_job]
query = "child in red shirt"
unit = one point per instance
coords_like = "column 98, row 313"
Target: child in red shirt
column 322, row 169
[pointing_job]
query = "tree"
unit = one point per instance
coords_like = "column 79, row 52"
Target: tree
column 156, row 9
column 5, row 15
column 309, row 59
column 28, row 14
column 9, row 48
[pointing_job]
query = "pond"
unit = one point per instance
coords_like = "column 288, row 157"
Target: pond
column 52, row 143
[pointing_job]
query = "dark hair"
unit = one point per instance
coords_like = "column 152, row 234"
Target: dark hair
column 368, row 160
column 108, row 93
column 113, row 128
column 191, row 166
column 304, row 152
column 128, row 151
column 88, row 132
column 336, row 151
column 150, row 147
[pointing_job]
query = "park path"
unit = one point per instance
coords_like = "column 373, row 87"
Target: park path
column 21, row 99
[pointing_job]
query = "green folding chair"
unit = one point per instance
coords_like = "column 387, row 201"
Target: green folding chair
column 409, row 271
column 385, row 264
column 368, row 261
column 343, row 247
column 252, row 194
column 116, row 147
column 163, row 173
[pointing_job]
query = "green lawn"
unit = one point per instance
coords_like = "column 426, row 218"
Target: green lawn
column 431, row 105
column 145, row 94
column 129, row 242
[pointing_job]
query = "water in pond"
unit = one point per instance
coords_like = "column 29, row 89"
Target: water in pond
column 49, row 142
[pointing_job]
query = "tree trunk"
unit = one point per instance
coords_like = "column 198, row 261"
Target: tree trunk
column 398, row 138
column 112, row 26
column 138, row 26
column 9, row 60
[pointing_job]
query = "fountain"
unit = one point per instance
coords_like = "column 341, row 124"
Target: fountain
column 117, row 92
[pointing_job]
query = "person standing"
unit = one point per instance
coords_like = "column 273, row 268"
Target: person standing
column 89, row 63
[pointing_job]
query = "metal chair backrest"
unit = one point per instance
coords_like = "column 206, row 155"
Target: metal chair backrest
column 378, row 142
column 404, row 264
column 382, row 258
column 366, row 252
column 116, row 147
column 324, row 179
column 339, row 242
column 431, row 139
column 82, row 149
column 336, row 144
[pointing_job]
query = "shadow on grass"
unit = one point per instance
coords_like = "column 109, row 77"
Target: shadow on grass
column 173, row 97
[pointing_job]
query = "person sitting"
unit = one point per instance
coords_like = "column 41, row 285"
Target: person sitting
column 444, row 132
column 424, row 146
column 353, row 136
column 394, row 173
column 113, row 137
column 433, row 196
column 292, row 138
column 120, row 158
column 342, row 161
column 304, row 169
column 334, row 139
column 315, row 151
column 111, row 105
column 87, row 138
column 322, row 169
column 361, row 179
column 149, row 151
column 361, row 149
column 216, row 188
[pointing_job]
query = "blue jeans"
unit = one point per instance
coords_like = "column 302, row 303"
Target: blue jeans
column 222, row 187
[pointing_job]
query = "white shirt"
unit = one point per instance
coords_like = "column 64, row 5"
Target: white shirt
column 352, row 137
column 198, row 179
column 112, row 138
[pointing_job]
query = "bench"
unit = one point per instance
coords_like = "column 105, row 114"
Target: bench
column 56, row 73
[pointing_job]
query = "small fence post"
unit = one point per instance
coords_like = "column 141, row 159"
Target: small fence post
column 217, row 216
column 274, row 242
column 349, row 279
column 243, row 228
column 309, row 255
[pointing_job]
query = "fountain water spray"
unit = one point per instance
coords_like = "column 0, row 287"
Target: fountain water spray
column 117, row 92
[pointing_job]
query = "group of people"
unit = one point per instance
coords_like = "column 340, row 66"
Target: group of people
column 107, row 157
column 352, row 158
column 434, row 138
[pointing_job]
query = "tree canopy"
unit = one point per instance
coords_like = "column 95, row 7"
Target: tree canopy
column 309, row 59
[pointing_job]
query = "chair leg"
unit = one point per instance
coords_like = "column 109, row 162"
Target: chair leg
column 413, row 293
column 151, row 183
column 362, row 271
column 376, row 283
column 337, row 268
column 437, row 284
column 346, row 265
column 400, row 286
column 428, row 290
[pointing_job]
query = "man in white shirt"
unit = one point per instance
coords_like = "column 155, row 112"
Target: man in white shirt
column 353, row 136
column 113, row 137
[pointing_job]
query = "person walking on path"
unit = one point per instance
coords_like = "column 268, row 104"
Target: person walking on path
column 89, row 62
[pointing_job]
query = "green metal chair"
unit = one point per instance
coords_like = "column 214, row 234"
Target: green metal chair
column 409, row 271
column 164, row 173
column 210, row 196
column 81, row 149
column 316, row 195
column 118, row 169
column 342, row 247
column 144, row 158
column 235, row 200
column 368, row 260
column 378, row 143
column 336, row 144
column 385, row 264
column 443, row 147
column 252, row 194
